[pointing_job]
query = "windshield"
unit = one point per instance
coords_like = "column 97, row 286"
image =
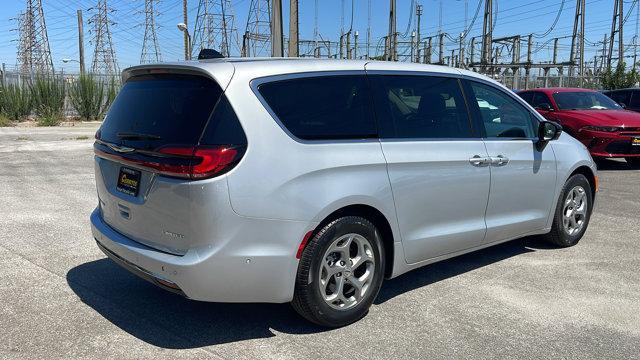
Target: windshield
column 583, row 100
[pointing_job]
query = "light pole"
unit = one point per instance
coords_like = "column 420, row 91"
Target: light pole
column 183, row 27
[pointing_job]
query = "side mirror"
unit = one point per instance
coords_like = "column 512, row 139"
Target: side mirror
column 623, row 105
column 545, row 107
column 549, row 130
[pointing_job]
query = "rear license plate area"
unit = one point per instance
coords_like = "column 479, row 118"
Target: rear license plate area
column 129, row 181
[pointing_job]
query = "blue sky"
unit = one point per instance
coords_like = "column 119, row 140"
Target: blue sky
column 513, row 17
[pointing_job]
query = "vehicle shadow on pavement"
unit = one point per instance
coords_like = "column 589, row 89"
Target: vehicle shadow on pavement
column 458, row 265
column 170, row 321
column 615, row 164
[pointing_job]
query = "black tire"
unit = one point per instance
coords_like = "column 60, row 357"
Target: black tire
column 558, row 235
column 634, row 162
column 308, row 300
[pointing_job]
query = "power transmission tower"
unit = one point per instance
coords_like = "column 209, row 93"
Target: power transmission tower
column 487, row 33
column 617, row 24
column 215, row 28
column 104, row 56
column 257, row 34
column 150, row 47
column 577, row 40
column 34, row 54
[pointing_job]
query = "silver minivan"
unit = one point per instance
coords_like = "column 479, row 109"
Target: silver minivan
column 311, row 181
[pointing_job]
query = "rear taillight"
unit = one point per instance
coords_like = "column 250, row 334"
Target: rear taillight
column 184, row 162
column 205, row 162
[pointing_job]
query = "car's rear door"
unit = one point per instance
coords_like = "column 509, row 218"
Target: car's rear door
column 435, row 161
column 523, row 176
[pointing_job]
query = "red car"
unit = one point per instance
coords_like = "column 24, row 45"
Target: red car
column 603, row 126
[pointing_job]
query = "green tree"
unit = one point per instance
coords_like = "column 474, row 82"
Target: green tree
column 619, row 78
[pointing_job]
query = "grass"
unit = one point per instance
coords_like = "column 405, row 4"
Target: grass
column 5, row 121
column 48, row 94
column 91, row 97
column 15, row 101
column 49, row 120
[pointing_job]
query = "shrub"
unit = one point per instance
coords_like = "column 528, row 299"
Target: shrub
column 49, row 120
column 48, row 94
column 5, row 121
column 619, row 78
column 87, row 96
column 16, row 101
column 112, row 91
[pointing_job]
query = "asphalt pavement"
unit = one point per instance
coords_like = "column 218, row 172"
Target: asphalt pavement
column 60, row 297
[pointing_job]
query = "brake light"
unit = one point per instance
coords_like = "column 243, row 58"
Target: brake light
column 204, row 162
column 185, row 162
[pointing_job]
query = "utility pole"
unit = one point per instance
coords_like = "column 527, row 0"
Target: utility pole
column 258, row 29
column 393, row 39
column 616, row 27
column 293, row 28
column 150, row 47
column 527, row 69
column 461, row 51
column 428, row 51
column 277, row 48
column 472, row 55
column 419, row 15
column 441, row 48
column 413, row 47
column 81, row 41
column 185, row 20
column 355, row 44
column 487, row 33
column 368, row 28
column 104, row 56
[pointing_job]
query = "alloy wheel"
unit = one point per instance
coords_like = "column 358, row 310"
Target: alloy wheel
column 346, row 271
column 574, row 211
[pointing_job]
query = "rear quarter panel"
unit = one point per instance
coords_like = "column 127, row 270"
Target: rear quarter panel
column 286, row 179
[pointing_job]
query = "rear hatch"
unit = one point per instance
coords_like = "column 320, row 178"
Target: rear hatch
column 164, row 133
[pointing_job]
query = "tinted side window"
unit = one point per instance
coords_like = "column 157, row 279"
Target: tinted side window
column 634, row 103
column 420, row 107
column 539, row 99
column 526, row 96
column 327, row 107
column 501, row 115
column 621, row 97
column 223, row 127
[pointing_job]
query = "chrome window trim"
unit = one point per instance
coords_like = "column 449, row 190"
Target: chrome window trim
column 255, row 84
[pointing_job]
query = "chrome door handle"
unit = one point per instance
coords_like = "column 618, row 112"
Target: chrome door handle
column 499, row 160
column 477, row 160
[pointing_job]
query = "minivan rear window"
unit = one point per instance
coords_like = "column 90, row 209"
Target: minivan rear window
column 153, row 111
column 326, row 107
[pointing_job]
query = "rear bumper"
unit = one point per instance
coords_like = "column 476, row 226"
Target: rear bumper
column 611, row 145
column 257, row 265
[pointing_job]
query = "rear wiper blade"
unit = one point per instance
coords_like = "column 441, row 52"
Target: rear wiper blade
column 136, row 136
